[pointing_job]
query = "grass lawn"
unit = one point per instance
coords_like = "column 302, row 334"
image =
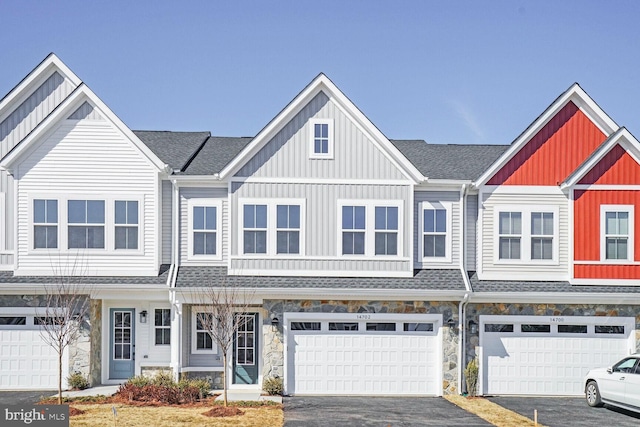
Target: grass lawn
column 172, row 416
column 490, row 412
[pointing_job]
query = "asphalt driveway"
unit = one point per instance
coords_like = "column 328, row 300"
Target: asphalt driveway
column 375, row 411
column 568, row 411
column 26, row 397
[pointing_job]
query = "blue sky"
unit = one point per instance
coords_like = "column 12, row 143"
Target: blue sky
column 448, row 72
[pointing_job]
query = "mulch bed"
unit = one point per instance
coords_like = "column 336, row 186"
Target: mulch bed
column 75, row 411
column 221, row 411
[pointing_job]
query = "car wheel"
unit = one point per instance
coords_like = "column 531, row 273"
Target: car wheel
column 593, row 394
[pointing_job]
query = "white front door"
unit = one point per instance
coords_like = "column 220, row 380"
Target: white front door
column 542, row 355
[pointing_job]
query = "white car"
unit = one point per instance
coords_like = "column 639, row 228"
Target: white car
column 618, row 385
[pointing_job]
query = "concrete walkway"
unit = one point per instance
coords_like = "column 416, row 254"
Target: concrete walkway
column 101, row 390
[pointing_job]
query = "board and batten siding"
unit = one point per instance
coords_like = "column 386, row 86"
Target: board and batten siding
column 167, row 221
column 212, row 194
column 287, row 154
column 17, row 124
column 321, row 226
column 452, row 197
column 525, row 270
column 471, row 236
column 88, row 159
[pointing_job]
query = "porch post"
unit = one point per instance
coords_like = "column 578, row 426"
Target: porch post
column 176, row 338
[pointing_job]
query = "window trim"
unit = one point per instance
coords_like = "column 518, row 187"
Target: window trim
column 630, row 209
column 155, row 327
column 272, row 226
column 525, row 236
column 115, row 225
column 34, row 224
column 330, row 133
column 370, row 228
column 194, row 334
column 429, row 205
column 199, row 202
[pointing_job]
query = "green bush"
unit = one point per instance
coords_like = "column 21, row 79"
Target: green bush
column 77, row 381
column 273, row 386
column 164, row 378
column 139, row 381
column 471, row 375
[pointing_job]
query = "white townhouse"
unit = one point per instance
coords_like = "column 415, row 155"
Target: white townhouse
column 374, row 266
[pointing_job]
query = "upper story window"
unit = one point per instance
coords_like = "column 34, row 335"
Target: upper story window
column 321, row 137
column 273, row 227
column 204, row 239
column 436, row 231
column 370, row 228
column 255, row 229
column 527, row 233
column 386, row 230
column 86, row 220
column 288, row 225
column 126, row 224
column 45, row 224
column 162, row 323
column 617, row 232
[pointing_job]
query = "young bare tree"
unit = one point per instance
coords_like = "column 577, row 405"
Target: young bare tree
column 218, row 315
column 65, row 313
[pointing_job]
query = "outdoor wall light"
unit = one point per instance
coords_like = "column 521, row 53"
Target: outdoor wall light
column 452, row 324
column 274, row 320
column 143, row 316
column 473, row 327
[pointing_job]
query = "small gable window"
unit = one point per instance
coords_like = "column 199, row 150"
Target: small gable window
column 321, row 138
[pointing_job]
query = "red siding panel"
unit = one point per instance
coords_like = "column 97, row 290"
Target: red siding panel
column 616, row 168
column 586, row 240
column 554, row 152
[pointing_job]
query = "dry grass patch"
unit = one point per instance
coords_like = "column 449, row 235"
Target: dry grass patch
column 490, row 412
column 97, row 415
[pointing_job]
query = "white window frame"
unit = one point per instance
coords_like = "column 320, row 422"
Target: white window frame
column 155, row 327
column 330, row 148
column 3, row 223
column 115, row 226
column 272, row 226
column 192, row 203
column 370, row 227
column 103, row 224
column 194, row 333
column 34, row 224
column 431, row 205
column 603, row 236
column 525, row 236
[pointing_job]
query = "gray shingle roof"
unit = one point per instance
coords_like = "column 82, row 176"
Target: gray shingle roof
column 7, row 277
column 173, row 148
column 444, row 161
column 216, row 153
column 539, row 286
column 450, row 280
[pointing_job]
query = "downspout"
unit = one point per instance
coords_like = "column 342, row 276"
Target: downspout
column 175, row 259
column 467, row 284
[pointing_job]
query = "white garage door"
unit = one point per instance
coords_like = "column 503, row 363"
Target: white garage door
column 539, row 355
column 26, row 361
column 374, row 355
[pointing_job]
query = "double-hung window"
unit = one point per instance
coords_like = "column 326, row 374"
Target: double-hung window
column 288, row 229
column 617, row 232
column 45, row 224
column 203, row 323
column 541, row 235
column 353, row 230
column 510, row 230
column 162, row 323
column 321, row 137
column 204, row 239
column 527, row 233
column 386, row 230
column 126, row 224
column 436, row 231
column 255, row 229
column 86, row 223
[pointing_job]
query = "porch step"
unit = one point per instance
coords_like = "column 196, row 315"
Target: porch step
column 248, row 395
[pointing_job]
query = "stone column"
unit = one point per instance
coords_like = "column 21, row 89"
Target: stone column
column 95, row 342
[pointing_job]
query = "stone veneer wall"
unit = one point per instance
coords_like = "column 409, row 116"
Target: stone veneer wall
column 273, row 348
column 95, row 338
column 214, row 377
column 528, row 309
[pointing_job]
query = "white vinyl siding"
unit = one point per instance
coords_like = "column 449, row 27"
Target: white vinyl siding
column 551, row 200
column 89, row 160
column 167, row 221
column 471, row 231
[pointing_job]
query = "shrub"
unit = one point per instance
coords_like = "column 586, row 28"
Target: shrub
column 273, row 386
column 77, row 381
column 162, row 390
column 139, row 381
column 163, row 378
column 471, row 375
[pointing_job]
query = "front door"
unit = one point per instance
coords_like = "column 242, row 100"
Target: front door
column 121, row 343
column 245, row 350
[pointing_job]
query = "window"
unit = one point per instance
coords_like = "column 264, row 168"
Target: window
column 572, row 329
column 353, row 226
column 616, row 232
column 386, row 230
column 126, row 224
column 245, row 340
column 381, row 326
column 202, row 341
column 13, row 320
column 255, row 229
column 45, row 224
column 435, row 226
column 541, row 235
column 510, row 234
column 343, row 326
column 535, row 328
column 305, row 326
column 321, row 139
column 288, row 229
column 204, row 230
column 86, row 224
column 162, row 324
column 498, row 327
column 418, row 327
column 613, row 329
